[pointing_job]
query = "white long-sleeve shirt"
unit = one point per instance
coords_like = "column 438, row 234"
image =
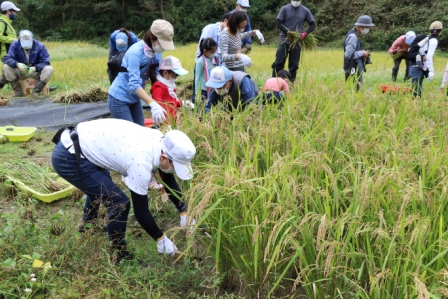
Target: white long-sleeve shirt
column 430, row 48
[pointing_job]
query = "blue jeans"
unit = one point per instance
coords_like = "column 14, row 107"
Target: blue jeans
column 416, row 74
column 127, row 111
column 97, row 184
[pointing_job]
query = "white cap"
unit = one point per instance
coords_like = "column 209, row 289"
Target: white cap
column 6, row 5
column 179, row 148
column 26, row 39
column 410, row 36
column 173, row 64
column 243, row 3
column 219, row 76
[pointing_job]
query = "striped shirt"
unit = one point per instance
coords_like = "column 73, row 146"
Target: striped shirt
column 231, row 45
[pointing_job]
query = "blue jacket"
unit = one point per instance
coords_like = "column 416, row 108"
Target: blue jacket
column 113, row 45
column 39, row 56
column 126, row 83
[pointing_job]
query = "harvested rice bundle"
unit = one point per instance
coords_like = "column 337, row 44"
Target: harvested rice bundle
column 308, row 43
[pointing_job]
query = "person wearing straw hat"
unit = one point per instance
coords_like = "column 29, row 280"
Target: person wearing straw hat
column 141, row 59
column 291, row 18
column 163, row 90
column 85, row 154
column 426, row 50
column 355, row 57
column 398, row 52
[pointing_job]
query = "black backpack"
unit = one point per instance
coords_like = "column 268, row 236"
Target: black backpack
column 415, row 48
column 114, row 64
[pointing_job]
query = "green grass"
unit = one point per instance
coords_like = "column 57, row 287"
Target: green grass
column 334, row 195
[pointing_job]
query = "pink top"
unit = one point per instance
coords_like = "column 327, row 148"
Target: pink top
column 275, row 84
column 445, row 77
column 400, row 44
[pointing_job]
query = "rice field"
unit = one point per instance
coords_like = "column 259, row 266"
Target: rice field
column 335, row 194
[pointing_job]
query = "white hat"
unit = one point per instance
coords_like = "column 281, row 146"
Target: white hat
column 179, row 148
column 243, row 3
column 173, row 64
column 26, row 39
column 410, row 36
column 6, row 5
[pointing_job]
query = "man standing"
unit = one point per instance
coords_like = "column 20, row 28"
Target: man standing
column 27, row 57
column 354, row 56
column 398, row 51
column 246, row 45
column 291, row 18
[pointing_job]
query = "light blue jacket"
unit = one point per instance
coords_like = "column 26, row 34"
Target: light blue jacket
column 124, row 86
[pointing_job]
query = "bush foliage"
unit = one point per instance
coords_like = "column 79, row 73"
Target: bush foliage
column 96, row 19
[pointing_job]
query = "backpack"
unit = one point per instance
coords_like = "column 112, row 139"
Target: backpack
column 414, row 49
column 114, row 64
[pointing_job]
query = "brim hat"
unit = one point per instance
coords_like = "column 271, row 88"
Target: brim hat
column 364, row 21
column 164, row 32
column 243, row 3
column 436, row 25
column 179, row 149
column 7, row 5
column 173, row 64
column 219, row 76
column 121, row 41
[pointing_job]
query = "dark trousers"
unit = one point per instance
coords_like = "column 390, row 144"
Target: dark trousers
column 283, row 51
column 396, row 68
column 97, row 184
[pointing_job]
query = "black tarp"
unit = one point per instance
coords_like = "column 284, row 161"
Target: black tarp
column 46, row 115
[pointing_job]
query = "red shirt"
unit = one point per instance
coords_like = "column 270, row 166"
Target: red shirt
column 400, row 44
column 161, row 95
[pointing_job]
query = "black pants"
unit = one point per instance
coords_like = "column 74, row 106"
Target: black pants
column 396, row 67
column 283, row 51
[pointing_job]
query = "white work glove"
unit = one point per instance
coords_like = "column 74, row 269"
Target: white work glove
column 246, row 60
column 154, row 185
column 260, row 36
column 23, row 69
column 430, row 76
column 158, row 113
column 31, row 70
column 165, row 246
column 188, row 104
column 187, row 220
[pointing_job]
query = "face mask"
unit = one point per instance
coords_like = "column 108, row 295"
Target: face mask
column 169, row 170
column 243, row 9
column 221, row 91
column 158, row 49
column 240, row 30
column 365, row 31
column 173, row 80
column 12, row 17
column 296, row 3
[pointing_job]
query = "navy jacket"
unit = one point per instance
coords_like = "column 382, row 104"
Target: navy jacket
column 39, row 56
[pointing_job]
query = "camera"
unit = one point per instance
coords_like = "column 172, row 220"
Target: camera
column 368, row 61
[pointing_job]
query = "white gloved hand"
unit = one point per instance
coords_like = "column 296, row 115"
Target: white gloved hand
column 154, row 185
column 186, row 220
column 260, row 36
column 23, row 69
column 246, row 60
column 430, row 76
column 165, row 246
column 31, row 70
column 158, row 113
column 188, row 104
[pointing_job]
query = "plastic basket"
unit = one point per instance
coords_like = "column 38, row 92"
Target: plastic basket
column 17, row 133
column 45, row 197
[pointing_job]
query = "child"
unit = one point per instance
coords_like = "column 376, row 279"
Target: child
column 445, row 80
column 163, row 90
column 276, row 88
column 205, row 62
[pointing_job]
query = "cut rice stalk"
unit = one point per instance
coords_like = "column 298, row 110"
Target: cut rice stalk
column 308, row 43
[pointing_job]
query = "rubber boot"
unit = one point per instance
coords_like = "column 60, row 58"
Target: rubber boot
column 17, row 87
column 3, row 82
column 38, row 87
